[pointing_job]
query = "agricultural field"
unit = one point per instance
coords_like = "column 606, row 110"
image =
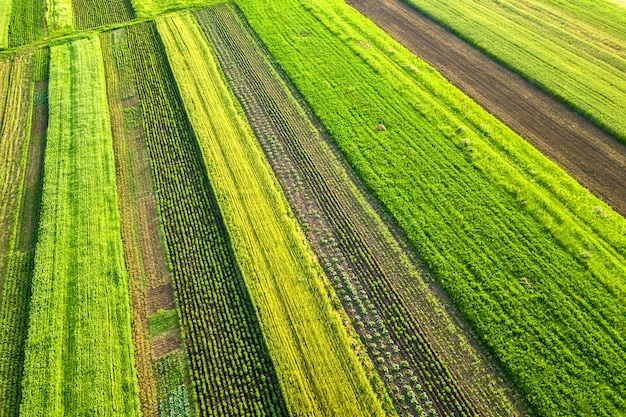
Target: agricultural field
column 481, row 191
column 574, row 49
column 78, row 353
column 312, row 208
column 358, row 251
column 23, row 135
column 318, row 372
column 585, row 151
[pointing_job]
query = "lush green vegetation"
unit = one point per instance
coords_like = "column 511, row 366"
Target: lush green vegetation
column 79, row 358
column 27, row 19
column 162, row 321
column 575, row 50
column 531, row 258
column 147, row 8
column 374, row 280
column 534, row 262
column 5, row 18
column 231, row 371
column 173, row 394
column 93, row 13
column 59, row 16
column 318, row 371
column 15, row 253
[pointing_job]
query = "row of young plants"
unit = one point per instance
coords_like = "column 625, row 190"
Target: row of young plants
column 18, row 219
column 365, row 264
column 318, row 371
column 231, row 371
column 78, row 353
column 21, row 22
column 144, row 251
column 531, row 258
column 574, row 50
column 94, row 13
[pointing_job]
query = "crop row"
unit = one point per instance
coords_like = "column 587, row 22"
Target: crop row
column 144, row 252
column 316, row 367
column 16, row 253
column 364, row 263
column 78, row 353
column 27, row 23
column 232, row 373
column 94, row 13
column 530, row 257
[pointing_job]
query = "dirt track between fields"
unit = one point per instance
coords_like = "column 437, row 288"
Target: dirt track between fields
column 594, row 158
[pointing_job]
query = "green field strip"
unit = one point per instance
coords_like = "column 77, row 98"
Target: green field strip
column 173, row 395
column 151, row 8
column 231, row 371
column 59, row 16
column 15, row 254
column 94, row 13
column 318, row 370
column 144, row 251
column 79, row 352
column 534, row 261
column 27, row 22
column 5, row 20
column 573, row 50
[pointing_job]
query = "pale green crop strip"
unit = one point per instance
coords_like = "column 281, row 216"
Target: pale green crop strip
column 5, row 19
column 79, row 355
column 147, row 8
column 59, row 16
column 319, row 373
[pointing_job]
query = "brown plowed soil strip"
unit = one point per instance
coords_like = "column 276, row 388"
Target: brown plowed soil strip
column 594, row 158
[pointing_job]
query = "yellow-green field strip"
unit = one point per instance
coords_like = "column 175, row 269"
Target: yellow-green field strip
column 318, row 372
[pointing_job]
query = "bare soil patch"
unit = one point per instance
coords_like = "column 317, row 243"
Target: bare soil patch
column 166, row 343
column 160, row 298
column 589, row 154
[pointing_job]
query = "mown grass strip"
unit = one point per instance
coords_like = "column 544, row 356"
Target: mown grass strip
column 79, row 358
column 534, row 261
column 574, row 50
column 317, row 369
